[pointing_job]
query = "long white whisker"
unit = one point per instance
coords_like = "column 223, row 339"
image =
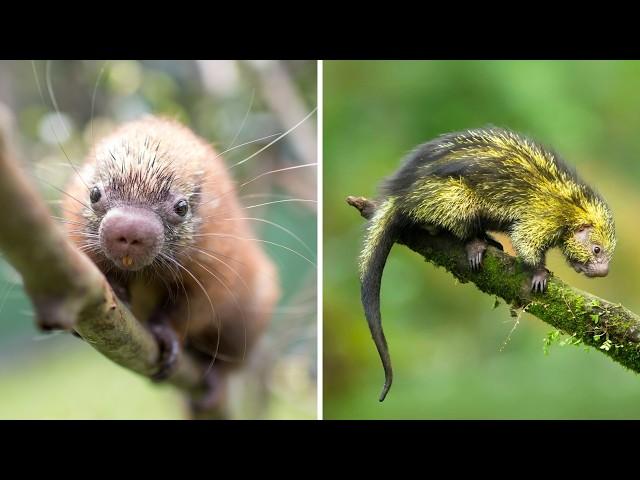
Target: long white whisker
column 277, row 139
column 277, row 225
column 53, row 97
column 93, row 97
column 246, row 143
column 263, row 195
column 211, row 255
column 203, row 250
column 234, row 190
column 217, row 253
column 257, row 240
column 287, row 200
column 276, row 171
column 7, row 292
column 246, row 115
column 67, row 221
column 180, row 281
column 218, row 323
column 235, row 300
column 59, row 202
column 62, row 191
column 47, row 73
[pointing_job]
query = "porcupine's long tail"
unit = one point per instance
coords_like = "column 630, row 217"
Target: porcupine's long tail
column 381, row 235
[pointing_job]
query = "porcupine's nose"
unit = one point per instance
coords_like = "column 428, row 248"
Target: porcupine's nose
column 131, row 237
column 599, row 270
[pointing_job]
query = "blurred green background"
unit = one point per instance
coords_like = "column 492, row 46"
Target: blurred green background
column 228, row 103
column 452, row 354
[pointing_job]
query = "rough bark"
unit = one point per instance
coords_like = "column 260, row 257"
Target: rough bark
column 610, row 328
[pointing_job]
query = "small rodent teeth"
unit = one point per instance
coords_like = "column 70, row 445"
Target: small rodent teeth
column 127, row 261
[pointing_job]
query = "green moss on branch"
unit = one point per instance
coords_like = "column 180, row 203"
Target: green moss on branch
column 609, row 328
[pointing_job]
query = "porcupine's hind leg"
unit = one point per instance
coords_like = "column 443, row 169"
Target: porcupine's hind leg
column 461, row 215
column 476, row 248
column 212, row 403
column 475, row 252
column 475, row 241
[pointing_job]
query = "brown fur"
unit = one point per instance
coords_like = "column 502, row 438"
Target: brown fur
column 195, row 165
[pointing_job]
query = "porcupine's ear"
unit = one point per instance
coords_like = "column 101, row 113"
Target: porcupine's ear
column 582, row 233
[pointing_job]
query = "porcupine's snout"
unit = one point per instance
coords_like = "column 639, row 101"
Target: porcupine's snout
column 592, row 269
column 131, row 237
column 597, row 269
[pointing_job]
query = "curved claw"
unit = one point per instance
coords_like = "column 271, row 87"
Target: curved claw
column 475, row 253
column 539, row 280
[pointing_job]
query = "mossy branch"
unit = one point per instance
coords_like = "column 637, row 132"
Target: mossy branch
column 610, row 328
column 67, row 290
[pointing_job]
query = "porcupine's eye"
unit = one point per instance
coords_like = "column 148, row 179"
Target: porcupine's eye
column 95, row 195
column 181, row 208
column 596, row 249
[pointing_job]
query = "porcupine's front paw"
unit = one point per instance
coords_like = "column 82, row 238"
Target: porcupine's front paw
column 539, row 280
column 475, row 252
column 169, row 348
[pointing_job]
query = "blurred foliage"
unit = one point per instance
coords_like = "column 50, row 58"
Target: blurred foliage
column 448, row 344
column 57, row 376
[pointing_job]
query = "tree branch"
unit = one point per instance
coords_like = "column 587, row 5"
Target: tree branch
column 610, row 328
column 67, row 290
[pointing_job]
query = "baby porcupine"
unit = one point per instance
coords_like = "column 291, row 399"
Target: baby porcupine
column 485, row 179
column 155, row 207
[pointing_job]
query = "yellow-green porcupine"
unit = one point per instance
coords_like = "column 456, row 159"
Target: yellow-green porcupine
column 480, row 180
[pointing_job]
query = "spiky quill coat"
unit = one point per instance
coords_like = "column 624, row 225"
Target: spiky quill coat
column 478, row 180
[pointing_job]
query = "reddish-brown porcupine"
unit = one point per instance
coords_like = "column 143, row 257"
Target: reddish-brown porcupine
column 160, row 217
